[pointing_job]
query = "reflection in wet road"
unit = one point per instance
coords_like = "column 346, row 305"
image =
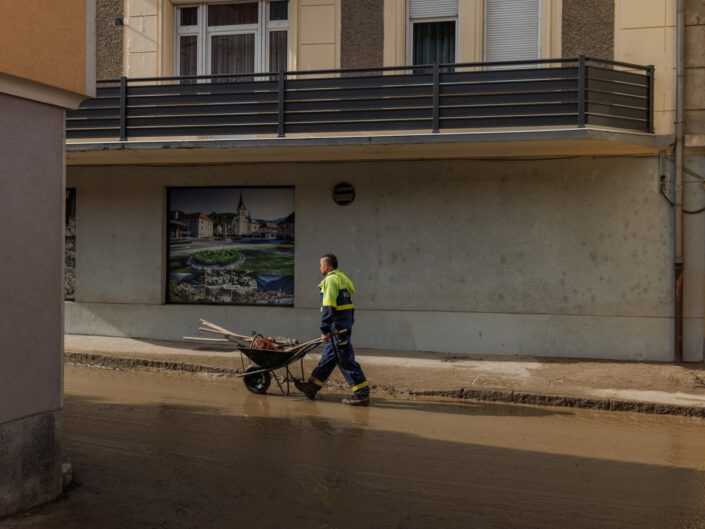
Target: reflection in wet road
column 176, row 451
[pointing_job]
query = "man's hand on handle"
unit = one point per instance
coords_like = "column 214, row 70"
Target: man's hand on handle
column 327, row 336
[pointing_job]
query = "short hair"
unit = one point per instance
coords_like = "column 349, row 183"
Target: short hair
column 331, row 259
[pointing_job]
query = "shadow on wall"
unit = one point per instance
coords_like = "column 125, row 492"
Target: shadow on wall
column 159, row 465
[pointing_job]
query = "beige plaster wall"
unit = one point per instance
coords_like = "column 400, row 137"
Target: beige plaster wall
column 394, row 33
column 645, row 33
column 318, row 34
column 141, row 38
column 695, row 72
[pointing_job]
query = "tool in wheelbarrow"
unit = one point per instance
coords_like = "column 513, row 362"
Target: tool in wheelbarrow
column 265, row 355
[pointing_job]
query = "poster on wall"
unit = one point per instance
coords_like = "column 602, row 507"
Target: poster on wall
column 70, row 246
column 231, row 245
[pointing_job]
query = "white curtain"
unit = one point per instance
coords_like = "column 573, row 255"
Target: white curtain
column 232, row 54
column 434, row 41
column 233, row 14
column 277, row 51
column 188, row 55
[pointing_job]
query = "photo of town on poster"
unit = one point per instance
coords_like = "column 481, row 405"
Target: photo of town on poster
column 231, row 245
column 70, row 246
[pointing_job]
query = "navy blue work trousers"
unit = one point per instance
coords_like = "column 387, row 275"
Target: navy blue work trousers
column 339, row 352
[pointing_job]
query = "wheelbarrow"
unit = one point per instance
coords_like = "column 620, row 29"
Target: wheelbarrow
column 258, row 375
column 264, row 356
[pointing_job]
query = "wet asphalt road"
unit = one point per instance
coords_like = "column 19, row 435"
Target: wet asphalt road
column 174, row 451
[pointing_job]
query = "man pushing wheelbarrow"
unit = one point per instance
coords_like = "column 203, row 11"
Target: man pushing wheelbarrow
column 337, row 318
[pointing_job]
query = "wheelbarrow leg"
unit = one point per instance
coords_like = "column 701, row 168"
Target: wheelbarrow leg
column 276, row 379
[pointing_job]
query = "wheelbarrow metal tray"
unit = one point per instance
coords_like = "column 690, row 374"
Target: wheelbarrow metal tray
column 270, row 358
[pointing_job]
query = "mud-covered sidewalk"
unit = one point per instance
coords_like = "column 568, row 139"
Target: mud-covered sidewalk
column 619, row 386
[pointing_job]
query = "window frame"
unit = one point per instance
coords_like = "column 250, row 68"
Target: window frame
column 426, row 20
column 204, row 34
column 188, row 31
column 271, row 26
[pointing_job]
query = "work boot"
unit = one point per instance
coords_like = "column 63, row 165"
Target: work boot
column 357, row 400
column 307, row 388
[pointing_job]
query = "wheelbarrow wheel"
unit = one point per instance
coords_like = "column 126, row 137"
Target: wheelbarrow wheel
column 257, row 382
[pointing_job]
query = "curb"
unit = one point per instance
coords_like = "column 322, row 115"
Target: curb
column 541, row 399
column 497, row 395
column 118, row 362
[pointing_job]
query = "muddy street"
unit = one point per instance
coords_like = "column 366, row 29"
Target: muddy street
column 175, row 451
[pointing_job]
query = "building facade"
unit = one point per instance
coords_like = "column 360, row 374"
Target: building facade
column 199, row 225
column 45, row 68
column 508, row 196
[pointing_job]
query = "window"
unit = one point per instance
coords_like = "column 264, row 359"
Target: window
column 512, row 31
column 432, row 35
column 188, row 57
column 232, row 38
column 434, row 42
column 277, row 50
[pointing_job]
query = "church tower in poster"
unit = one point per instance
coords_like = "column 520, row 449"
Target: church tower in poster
column 243, row 225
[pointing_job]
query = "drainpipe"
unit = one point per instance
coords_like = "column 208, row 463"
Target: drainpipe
column 678, row 262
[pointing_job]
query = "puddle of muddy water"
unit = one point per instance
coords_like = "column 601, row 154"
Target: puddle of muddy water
column 672, row 441
column 155, row 450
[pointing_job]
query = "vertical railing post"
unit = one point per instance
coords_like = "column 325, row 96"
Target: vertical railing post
column 582, row 82
column 123, row 108
column 436, row 96
column 650, row 103
column 281, row 94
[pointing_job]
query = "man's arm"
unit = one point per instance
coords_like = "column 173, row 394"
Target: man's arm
column 328, row 305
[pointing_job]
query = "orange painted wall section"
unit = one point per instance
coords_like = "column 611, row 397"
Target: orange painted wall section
column 45, row 41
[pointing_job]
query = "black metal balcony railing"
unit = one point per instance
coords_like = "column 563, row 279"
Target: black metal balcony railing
column 558, row 92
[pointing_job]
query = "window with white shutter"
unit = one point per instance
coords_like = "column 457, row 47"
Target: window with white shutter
column 512, row 30
column 432, row 31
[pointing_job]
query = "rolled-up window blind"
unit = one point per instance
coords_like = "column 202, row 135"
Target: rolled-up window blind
column 433, row 8
column 512, row 30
